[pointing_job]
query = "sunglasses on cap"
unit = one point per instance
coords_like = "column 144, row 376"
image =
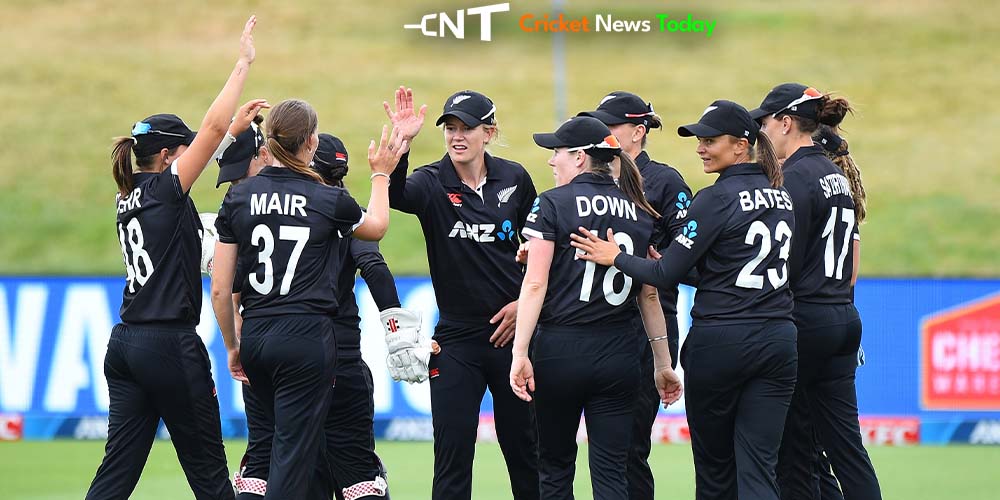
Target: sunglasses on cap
column 809, row 94
column 142, row 128
column 609, row 142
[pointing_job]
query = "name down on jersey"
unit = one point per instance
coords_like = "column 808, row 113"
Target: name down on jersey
column 602, row 204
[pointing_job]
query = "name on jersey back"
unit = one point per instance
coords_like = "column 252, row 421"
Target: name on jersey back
column 277, row 203
column 602, row 204
column 765, row 198
column 129, row 203
column 834, row 184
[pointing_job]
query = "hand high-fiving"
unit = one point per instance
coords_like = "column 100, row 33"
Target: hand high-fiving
column 404, row 118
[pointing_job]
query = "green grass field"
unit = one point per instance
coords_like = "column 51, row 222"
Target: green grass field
column 61, row 470
column 77, row 74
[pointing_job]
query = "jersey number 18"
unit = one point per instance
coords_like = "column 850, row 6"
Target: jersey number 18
column 615, row 298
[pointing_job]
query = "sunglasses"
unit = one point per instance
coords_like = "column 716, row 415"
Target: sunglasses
column 808, row 94
column 142, row 128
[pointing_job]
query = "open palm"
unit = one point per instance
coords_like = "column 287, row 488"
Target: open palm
column 404, row 119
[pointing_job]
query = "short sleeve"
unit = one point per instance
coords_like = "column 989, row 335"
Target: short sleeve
column 541, row 220
column 347, row 214
column 223, row 224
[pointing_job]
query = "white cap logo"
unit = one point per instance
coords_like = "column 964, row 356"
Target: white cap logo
column 608, row 98
column 709, row 110
column 459, row 98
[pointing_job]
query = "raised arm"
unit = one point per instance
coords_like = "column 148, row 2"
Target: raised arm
column 382, row 160
column 405, row 194
column 217, row 120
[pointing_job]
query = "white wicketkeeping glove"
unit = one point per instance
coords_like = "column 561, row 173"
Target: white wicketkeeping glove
column 409, row 353
column 208, row 239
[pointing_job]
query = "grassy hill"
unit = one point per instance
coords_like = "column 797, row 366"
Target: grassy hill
column 922, row 74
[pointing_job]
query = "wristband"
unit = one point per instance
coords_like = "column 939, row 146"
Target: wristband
column 654, row 339
column 380, row 174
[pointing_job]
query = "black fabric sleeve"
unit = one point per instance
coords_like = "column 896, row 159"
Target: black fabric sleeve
column 375, row 272
column 679, row 194
column 408, row 194
column 527, row 201
column 223, row 226
column 707, row 218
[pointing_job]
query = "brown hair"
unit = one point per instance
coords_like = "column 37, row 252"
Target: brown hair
column 842, row 159
column 121, row 163
column 289, row 126
column 654, row 122
column 829, row 111
column 763, row 153
column 629, row 179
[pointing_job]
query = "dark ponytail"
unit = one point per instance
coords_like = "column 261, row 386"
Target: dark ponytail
column 832, row 110
column 763, row 153
column 630, row 182
column 121, row 164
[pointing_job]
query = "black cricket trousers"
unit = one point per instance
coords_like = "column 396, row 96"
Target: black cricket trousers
column 593, row 371
column 154, row 373
column 459, row 375
column 738, row 383
column 829, row 338
column 354, row 470
column 645, row 407
column 290, row 362
column 257, row 460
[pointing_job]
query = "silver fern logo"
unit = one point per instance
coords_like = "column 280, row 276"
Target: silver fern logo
column 505, row 194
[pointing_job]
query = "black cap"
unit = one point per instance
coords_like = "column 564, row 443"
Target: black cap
column 623, row 107
column 830, row 141
column 471, row 107
column 790, row 99
column 330, row 159
column 582, row 133
column 235, row 160
column 158, row 132
column 723, row 118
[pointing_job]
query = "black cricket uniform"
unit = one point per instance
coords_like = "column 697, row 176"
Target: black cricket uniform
column 829, row 333
column 666, row 192
column 739, row 357
column 350, row 439
column 584, row 356
column 472, row 239
column 156, row 365
column 287, row 228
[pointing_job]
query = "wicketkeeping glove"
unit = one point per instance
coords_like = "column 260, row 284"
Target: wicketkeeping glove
column 208, row 239
column 409, row 353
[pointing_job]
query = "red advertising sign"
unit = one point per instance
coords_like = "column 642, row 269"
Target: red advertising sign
column 11, row 427
column 960, row 360
column 894, row 431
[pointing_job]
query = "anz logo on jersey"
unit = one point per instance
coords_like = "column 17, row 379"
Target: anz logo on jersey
column 687, row 235
column 682, row 204
column 533, row 215
column 484, row 233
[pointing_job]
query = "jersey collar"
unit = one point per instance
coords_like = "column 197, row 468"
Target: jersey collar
column 272, row 171
column 449, row 177
column 592, row 178
column 804, row 151
column 741, row 169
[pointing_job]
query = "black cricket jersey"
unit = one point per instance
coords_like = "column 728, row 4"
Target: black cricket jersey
column 582, row 293
column 738, row 235
column 822, row 259
column 471, row 234
column 364, row 256
column 667, row 192
column 287, row 227
column 160, row 235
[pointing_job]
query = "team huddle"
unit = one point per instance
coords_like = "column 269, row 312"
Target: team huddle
column 563, row 304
